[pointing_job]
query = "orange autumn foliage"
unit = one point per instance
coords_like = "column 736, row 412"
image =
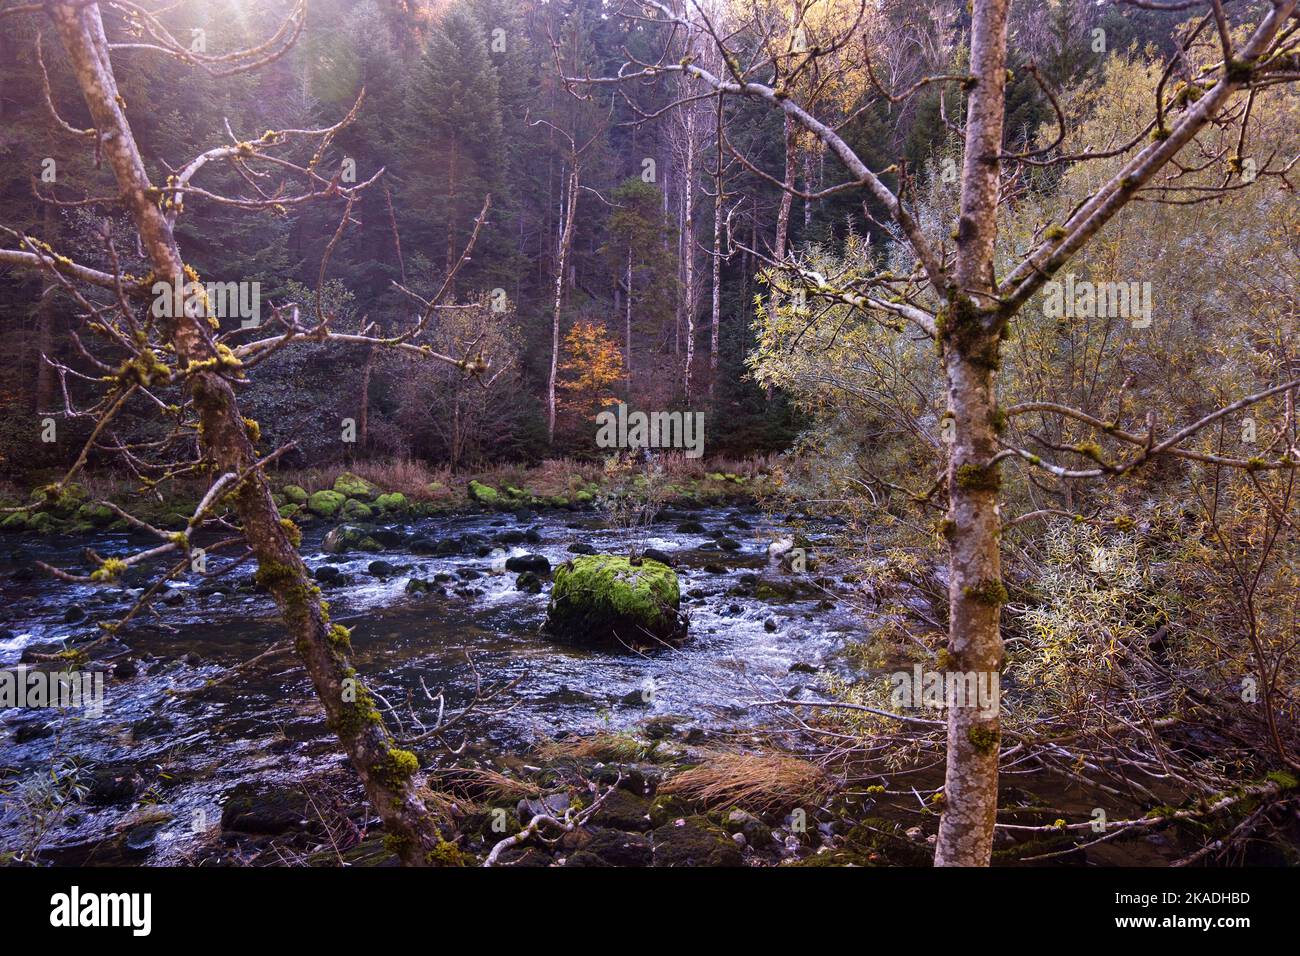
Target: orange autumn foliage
column 593, row 365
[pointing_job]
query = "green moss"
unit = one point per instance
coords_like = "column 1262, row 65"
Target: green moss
column 976, row 478
column 1090, row 449
column 962, row 325
column 15, row 522
column 340, row 637
column 1287, row 781
column 291, row 531
column 97, row 514
column 397, row 845
column 397, row 767
column 271, row 574
column 988, row 592
column 601, row 595
column 296, row 494
column 355, row 716
column 354, row 510
column 354, row 486
column 984, row 739
column 110, row 570
column 325, row 504
column 447, row 854
column 484, row 494
column 999, row 420
column 1054, row 233
column 393, row 502
column 1238, row 71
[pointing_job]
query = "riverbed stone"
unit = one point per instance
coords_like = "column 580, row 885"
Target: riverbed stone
column 622, row 810
column 347, row 538
column 694, row 841
column 354, row 486
column 607, row 847
column 394, row 502
column 536, row 563
column 607, row 600
column 271, row 810
column 325, row 504
column 355, row 510
column 484, row 494
column 295, row 494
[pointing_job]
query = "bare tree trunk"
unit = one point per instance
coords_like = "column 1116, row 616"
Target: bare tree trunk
column 386, row 772
column 787, row 197
column 363, row 415
column 628, row 320
column 971, row 329
column 715, row 313
column 688, row 242
column 46, row 316
column 566, row 238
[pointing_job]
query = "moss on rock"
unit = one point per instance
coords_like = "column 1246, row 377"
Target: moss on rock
column 484, row 494
column 392, row 503
column 354, row 510
column 605, row 599
column 325, row 503
column 295, row 494
column 354, row 486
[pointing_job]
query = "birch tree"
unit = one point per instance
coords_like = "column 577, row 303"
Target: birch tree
column 955, row 296
column 148, row 352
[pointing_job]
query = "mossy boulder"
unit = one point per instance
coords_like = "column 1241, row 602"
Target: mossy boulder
column 326, row 504
column 697, row 842
column 607, row 600
column 15, row 523
column 42, row 523
column 97, row 514
column 354, row 486
column 393, row 503
column 295, row 494
column 346, row 538
column 354, row 510
column 484, row 494
column 61, row 500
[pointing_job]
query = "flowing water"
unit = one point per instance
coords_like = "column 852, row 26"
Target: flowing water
column 188, row 750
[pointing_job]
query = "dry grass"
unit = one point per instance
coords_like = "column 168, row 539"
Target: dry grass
column 611, row 748
column 758, row 783
column 481, row 784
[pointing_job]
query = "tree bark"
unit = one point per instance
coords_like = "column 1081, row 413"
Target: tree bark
column 385, row 772
column 628, row 322
column 688, row 251
column 787, row 197
column 715, row 312
column 970, row 330
column 566, row 238
column 46, row 317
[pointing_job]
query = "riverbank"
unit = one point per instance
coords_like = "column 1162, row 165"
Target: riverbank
column 391, row 489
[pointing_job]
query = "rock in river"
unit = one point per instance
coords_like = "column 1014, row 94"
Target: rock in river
column 537, row 563
column 607, row 600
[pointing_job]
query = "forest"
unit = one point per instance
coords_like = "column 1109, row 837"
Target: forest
column 630, row 433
